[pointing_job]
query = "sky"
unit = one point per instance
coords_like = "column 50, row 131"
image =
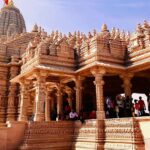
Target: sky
column 84, row 15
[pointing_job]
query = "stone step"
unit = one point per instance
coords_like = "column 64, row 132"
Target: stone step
column 3, row 125
column 48, row 140
column 48, row 146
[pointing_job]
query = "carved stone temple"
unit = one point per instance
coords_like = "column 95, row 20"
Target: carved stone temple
column 39, row 71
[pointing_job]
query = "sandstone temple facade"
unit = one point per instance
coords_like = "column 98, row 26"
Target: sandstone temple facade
column 39, row 70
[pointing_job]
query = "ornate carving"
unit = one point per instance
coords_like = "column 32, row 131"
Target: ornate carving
column 127, row 83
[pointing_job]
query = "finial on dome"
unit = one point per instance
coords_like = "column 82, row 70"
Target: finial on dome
column 10, row 3
column 104, row 27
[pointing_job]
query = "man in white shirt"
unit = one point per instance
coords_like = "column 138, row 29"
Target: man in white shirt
column 73, row 115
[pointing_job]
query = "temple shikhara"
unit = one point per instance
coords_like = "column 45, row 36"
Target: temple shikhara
column 41, row 73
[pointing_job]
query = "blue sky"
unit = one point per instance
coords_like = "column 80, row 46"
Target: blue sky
column 84, row 15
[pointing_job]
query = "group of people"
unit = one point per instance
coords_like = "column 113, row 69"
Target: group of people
column 114, row 108
column 124, row 107
column 69, row 113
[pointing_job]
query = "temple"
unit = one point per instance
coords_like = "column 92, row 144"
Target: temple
column 39, row 71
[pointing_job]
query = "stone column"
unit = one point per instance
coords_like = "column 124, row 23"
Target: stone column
column 11, row 108
column 98, row 74
column 24, row 101
column 127, row 84
column 40, row 98
column 78, row 83
column 47, row 107
column 59, row 101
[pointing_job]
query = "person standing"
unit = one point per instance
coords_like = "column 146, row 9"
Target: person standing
column 142, row 106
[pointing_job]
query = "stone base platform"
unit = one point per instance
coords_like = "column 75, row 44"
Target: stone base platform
column 109, row 134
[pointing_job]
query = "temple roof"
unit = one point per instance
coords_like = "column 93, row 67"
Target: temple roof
column 11, row 20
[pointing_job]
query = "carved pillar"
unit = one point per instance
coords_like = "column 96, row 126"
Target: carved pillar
column 78, row 83
column 127, row 84
column 24, row 101
column 98, row 74
column 40, row 98
column 47, row 107
column 59, row 101
column 11, row 108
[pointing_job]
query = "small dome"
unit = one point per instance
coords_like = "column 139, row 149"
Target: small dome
column 11, row 21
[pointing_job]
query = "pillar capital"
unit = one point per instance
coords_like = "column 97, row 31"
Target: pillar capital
column 78, row 82
column 98, row 71
column 126, row 79
column 78, row 78
column 24, row 82
column 127, row 83
column 126, row 76
column 41, row 79
column 40, row 76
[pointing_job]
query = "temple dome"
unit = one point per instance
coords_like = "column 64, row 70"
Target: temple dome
column 11, row 21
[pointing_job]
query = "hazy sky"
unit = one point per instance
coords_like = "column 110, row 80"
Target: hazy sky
column 83, row 15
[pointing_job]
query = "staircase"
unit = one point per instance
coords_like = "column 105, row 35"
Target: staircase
column 112, row 134
column 109, row 134
column 123, row 134
column 48, row 136
column 85, row 136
